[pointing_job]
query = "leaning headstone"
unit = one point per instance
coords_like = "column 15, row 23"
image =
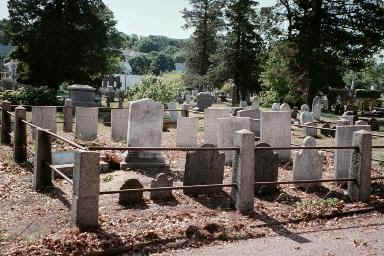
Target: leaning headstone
column 316, row 108
column 343, row 157
column 145, row 125
column 276, row 107
column 204, row 100
column 306, row 117
column 266, row 168
column 173, row 114
column 226, row 130
column 161, row 180
column 44, row 117
column 276, row 131
column 119, row 118
column 304, row 107
column 128, row 198
column 203, row 168
column 307, row 163
column 210, row 123
column 285, row 107
column 86, row 123
column 186, row 133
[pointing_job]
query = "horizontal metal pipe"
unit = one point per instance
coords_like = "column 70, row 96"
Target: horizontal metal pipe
column 31, row 124
column 302, row 181
column 11, row 114
column 65, row 140
column 314, row 127
column 377, row 178
column 166, row 188
column 377, row 146
column 60, row 173
column 165, row 148
column 293, row 148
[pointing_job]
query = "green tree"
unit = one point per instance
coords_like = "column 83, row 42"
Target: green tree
column 244, row 48
column 161, row 63
column 64, row 40
column 4, row 32
column 140, row 64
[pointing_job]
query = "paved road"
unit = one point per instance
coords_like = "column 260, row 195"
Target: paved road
column 359, row 241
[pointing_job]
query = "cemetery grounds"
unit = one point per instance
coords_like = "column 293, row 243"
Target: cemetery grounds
column 40, row 223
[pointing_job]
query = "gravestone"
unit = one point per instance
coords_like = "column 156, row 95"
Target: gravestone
column 316, row 108
column 86, row 123
column 306, row 118
column 254, row 114
column 226, row 130
column 119, row 124
column 275, row 130
column 266, row 168
column 361, row 122
column 295, row 113
column 82, row 95
column 131, row 197
column 307, row 163
column 255, row 102
column 44, row 117
column 276, row 107
column 243, row 104
column 204, row 100
column 349, row 116
column 285, row 107
column 161, row 180
column 186, row 133
column 210, row 123
column 145, row 125
column 343, row 157
column 173, row 114
column 343, row 122
column 203, row 168
column 304, row 108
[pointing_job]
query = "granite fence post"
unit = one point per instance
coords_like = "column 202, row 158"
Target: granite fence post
column 185, row 110
column 6, row 123
column 360, row 167
column 42, row 174
column 244, row 171
column 86, row 189
column 20, row 142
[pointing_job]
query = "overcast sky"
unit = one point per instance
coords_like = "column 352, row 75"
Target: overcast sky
column 146, row 17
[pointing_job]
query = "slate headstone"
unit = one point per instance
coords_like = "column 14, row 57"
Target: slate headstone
column 86, row 123
column 210, row 123
column 161, row 180
column 128, row 198
column 119, row 124
column 266, row 168
column 44, row 117
column 204, row 100
column 285, row 107
column 186, row 132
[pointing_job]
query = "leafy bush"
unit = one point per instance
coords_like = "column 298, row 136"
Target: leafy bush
column 226, row 88
column 371, row 94
column 7, row 84
column 267, row 98
column 41, row 96
column 158, row 89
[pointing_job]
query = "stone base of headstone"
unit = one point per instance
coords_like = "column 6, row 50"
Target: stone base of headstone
column 145, row 160
column 161, row 180
column 128, row 198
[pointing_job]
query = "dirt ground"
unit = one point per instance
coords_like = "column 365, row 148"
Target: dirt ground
column 40, row 223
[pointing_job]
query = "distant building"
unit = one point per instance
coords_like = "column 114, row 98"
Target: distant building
column 7, row 69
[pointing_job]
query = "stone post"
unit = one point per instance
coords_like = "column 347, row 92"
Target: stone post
column 360, row 167
column 185, row 110
column 68, row 116
column 43, row 156
column 86, row 188
column 6, row 123
column 20, row 143
column 244, row 171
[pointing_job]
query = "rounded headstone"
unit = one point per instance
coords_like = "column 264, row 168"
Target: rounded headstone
column 276, row 107
column 304, row 107
column 161, row 180
column 285, row 107
column 131, row 197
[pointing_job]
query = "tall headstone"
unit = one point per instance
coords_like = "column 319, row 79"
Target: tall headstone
column 186, row 133
column 276, row 107
column 204, row 100
column 210, row 123
column 226, row 130
column 343, row 157
column 316, row 108
column 68, row 116
column 349, row 117
column 307, row 163
column 255, row 102
column 276, row 131
column 145, row 125
column 203, row 168
column 86, row 123
column 119, row 118
column 266, row 168
column 304, row 108
column 254, row 114
column 82, row 95
column 44, row 117
column 285, row 107
column 306, row 118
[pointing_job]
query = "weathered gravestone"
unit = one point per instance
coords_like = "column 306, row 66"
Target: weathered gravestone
column 307, row 163
column 276, row 131
column 243, row 104
column 86, row 123
column 375, row 126
column 203, row 168
column 266, row 168
column 276, row 107
column 204, row 100
column 44, row 117
column 173, row 114
column 128, row 198
column 254, row 114
column 343, row 157
column 306, row 118
column 349, row 116
column 186, row 133
column 361, row 122
column 161, row 180
column 119, row 124
column 226, row 130
column 285, row 107
column 304, row 107
column 255, row 102
column 210, row 123
column 82, row 95
column 145, row 125
column 316, row 108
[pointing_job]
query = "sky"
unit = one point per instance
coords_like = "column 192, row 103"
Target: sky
column 146, row 17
